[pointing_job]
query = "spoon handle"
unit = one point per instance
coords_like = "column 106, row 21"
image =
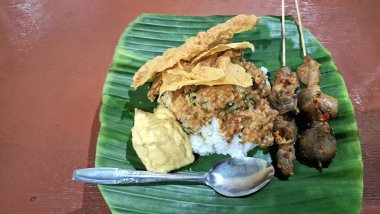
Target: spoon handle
column 125, row 176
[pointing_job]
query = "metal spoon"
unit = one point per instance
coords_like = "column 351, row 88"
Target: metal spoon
column 232, row 177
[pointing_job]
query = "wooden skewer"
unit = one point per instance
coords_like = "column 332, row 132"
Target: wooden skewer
column 300, row 29
column 283, row 33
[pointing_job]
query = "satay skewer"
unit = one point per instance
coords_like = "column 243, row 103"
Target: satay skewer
column 317, row 144
column 317, row 105
column 300, row 29
column 283, row 33
column 284, row 99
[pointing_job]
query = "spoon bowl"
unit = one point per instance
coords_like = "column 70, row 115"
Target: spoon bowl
column 236, row 177
column 232, row 177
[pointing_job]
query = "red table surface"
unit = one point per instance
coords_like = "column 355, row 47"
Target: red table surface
column 54, row 57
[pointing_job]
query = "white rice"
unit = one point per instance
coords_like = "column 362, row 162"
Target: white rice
column 265, row 72
column 208, row 140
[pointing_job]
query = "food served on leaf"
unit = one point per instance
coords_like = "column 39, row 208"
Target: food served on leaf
column 317, row 144
column 160, row 141
column 115, row 145
column 218, row 98
column 213, row 101
column 283, row 98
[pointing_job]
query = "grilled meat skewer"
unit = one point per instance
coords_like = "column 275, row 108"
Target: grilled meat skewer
column 318, row 144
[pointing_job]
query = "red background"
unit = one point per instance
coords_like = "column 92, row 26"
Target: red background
column 54, row 56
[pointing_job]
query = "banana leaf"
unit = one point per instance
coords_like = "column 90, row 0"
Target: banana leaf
column 336, row 189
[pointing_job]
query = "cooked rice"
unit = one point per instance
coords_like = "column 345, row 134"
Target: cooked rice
column 208, row 140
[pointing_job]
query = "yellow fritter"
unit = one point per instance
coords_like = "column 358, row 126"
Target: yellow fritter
column 160, row 141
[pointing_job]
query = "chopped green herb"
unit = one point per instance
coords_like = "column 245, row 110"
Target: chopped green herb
column 229, row 107
column 188, row 130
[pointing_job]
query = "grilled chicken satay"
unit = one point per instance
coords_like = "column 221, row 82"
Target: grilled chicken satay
column 317, row 105
column 318, row 144
column 284, row 99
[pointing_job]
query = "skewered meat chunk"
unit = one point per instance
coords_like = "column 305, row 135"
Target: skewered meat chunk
column 285, row 132
column 309, row 72
column 285, row 157
column 318, row 144
column 283, row 97
column 317, row 105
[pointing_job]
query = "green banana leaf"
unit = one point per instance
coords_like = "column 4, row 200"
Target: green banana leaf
column 337, row 189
